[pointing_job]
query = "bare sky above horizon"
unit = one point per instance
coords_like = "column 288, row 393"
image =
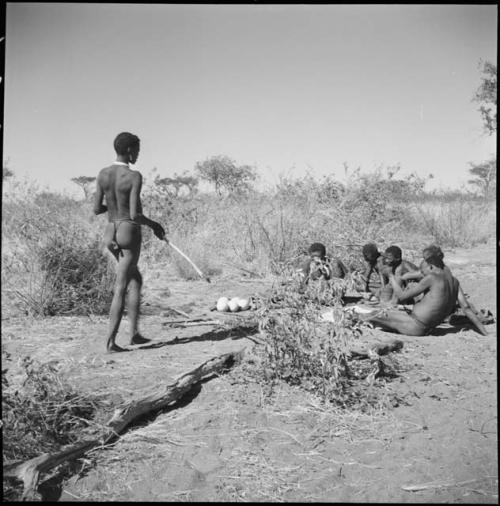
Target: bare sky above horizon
column 287, row 88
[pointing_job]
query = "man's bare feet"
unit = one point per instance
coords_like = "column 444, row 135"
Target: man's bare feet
column 114, row 348
column 138, row 339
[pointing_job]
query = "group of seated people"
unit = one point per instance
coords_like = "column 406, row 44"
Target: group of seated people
column 431, row 289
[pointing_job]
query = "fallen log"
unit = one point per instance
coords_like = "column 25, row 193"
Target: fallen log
column 29, row 472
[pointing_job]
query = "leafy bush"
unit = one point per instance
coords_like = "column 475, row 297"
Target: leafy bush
column 302, row 351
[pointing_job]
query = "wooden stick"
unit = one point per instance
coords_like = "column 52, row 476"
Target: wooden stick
column 189, row 260
column 28, row 472
column 442, row 484
column 178, row 311
column 194, row 324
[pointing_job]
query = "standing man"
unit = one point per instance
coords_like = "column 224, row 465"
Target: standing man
column 121, row 186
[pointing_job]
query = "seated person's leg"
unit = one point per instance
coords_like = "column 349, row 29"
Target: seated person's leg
column 399, row 321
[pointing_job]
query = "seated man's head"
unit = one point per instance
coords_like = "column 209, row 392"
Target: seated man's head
column 127, row 145
column 317, row 250
column 433, row 250
column 392, row 256
column 370, row 252
column 433, row 259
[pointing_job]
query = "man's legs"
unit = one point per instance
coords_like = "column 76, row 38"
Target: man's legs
column 126, row 262
column 133, row 304
column 398, row 321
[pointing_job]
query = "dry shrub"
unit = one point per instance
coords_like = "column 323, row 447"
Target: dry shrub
column 52, row 261
column 42, row 415
column 459, row 223
column 301, row 351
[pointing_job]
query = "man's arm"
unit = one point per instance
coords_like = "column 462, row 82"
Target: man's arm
column 99, row 207
column 412, row 291
column 382, row 273
column 303, row 270
column 411, row 276
column 342, row 267
column 136, row 208
column 469, row 312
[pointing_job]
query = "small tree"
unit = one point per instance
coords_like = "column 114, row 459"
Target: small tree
column 486, row 177
column 174, row 185
column 6, row 173
column 486, row 96
column 224, row 174
column 84, row 182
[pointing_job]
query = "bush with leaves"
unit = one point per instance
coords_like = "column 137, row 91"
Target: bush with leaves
column 302, row 350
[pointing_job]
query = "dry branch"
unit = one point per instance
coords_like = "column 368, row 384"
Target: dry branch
column 28, row 472
column 379, row 348
column 443, row 484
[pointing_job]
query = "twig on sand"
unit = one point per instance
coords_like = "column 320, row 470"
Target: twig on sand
column 178, row 311
column 28, row 472
column 193, row 323
column 443, row 484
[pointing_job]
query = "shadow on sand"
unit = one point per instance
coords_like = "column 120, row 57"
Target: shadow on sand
column 51, row 489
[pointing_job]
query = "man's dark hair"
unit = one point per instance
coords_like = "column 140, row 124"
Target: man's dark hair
column 317, row 246
column 395, row 251
column 125, row 140
column 433, row 249
column 370, row 250
column 434, row 255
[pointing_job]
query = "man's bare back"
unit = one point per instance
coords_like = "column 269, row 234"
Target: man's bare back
column 118, row 183
column 439, row 298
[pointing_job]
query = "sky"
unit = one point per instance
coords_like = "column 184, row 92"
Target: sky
column 289, row 89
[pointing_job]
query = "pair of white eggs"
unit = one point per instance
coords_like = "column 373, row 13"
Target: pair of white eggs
column 233, row 305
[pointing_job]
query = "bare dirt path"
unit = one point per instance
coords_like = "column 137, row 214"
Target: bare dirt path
column 228, row 441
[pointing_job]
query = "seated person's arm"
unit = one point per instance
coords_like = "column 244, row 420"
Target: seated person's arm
column 136, row 208
column 469, row 311
column 322, row 269
column 411, row 291
column 303, row 270
column 342, row 268
column 412, row 276
column 99, row 207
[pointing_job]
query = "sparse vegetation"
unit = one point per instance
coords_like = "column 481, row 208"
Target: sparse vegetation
column 41, row 415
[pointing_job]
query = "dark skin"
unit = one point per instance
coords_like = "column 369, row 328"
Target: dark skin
column 337, row 268
column 121, row 187
column 374, row 265
column 398, row 267
column 440, row 290
column 417, row 276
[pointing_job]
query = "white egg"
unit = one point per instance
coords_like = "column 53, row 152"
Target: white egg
column 222, row 304
column 244, row 304
column 233, row 305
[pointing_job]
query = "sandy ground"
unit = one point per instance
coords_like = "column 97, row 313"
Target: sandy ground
column 229, row 441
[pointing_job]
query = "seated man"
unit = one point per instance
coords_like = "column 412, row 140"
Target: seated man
column 440, row 290
column 319, row 266
column 371, row 277
column 392, row 258
column 483, row 315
